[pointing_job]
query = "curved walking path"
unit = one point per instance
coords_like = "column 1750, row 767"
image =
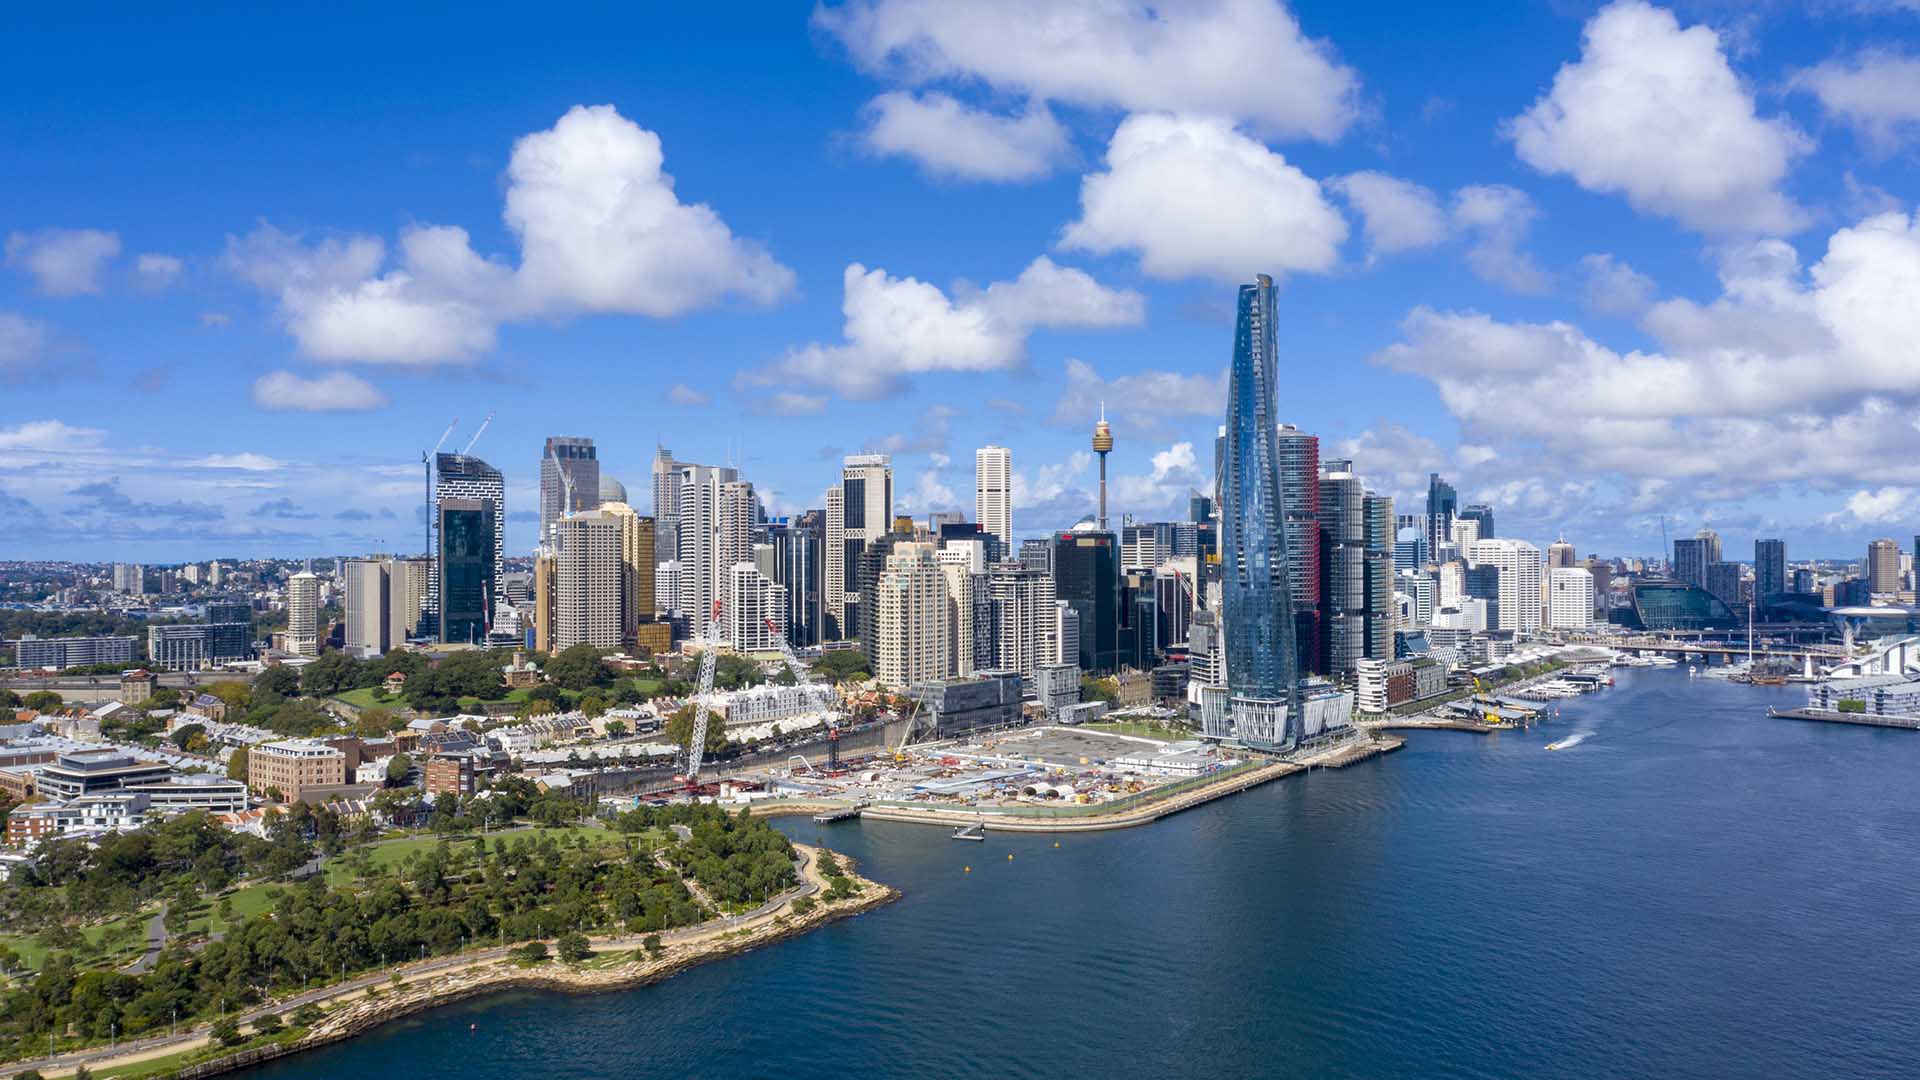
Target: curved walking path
column 441, row 980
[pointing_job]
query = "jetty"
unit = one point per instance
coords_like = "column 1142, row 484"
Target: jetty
column 1905, row 723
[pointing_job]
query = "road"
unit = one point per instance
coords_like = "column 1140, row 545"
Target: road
column 811, row 883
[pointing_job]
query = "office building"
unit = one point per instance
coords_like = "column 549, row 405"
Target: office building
column 798, row 548
column 303, row 614
column 1442, row 505
column 1691, row 557
column 1343, row 561
column 367, row 608
column 568, row 464
column 1086, row 574
column 465, row 567
column 866, row 514
column 1261, row 658
column 1724, row 582
column 911, row 618
column 468, row 479
column 1419, row 588
column 1520, row 586
column 993, row 492
column 1569, row 598
column 295, row 767
column 588, row 578
column 1769, row 568
column 1410, row 548
column 1560, row 555
column 1299, row 455
column 1482, row 515
column 70, row 652
column 1883, row 566
column 1377, row 541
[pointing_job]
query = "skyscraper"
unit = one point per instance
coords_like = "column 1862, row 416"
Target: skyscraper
column 1261, row 658
column 1343, row 561
column 1086, row 574
column 1769, row 568
column 1560, row 554
column 366, row 608
column 464, row 477
column 587, row 581
column 1299, row 454
column 1022, row 603
column 1481, row 513
column 1883, row 566
column 1521, row 587
column 303, row 614
column 576, row 458
column 637, row 534
column 866, row 508
column 1442, row 504
column 797, row 550
column 469, row 542
column 1569, row 597
column 993, row 492
column 911, row 618
column 1103, row 445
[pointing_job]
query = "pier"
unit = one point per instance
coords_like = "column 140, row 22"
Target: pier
column 1905, row 723
column 839, row 813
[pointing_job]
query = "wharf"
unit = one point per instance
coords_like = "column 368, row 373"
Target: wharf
column 1435, row 723
column 1905, row 723
column 838, row 813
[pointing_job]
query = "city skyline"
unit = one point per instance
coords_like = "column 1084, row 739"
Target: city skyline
column 1474, row 281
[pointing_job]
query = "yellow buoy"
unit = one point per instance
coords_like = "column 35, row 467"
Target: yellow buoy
column 968, row 869
column 1056, row 843
column 1009, row 856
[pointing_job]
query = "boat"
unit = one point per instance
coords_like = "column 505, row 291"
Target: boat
column 1556, row 745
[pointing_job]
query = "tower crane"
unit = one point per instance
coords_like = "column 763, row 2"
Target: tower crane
column 426, row 462
column 813, row 689
column 479, row 431
column 708, row 661
column 566, row 483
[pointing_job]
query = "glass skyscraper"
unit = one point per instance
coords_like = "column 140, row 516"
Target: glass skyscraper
column 1256, row 599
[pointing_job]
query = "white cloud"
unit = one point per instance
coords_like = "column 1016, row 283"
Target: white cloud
column 1654, row 112
column 1875, row 92
column 1175, row 471
column 897, row 327
column 335, row 391
column 23, row 342
column 1195, row 198
column 684, row 395
column 244, row 462
column 63, row 262
column 155, row 273
column 215, row 320
column 789, row 403
column 1246, row 59
column 1789, row 376
column 1498, row 217
column 1865, row 507
column 1612, row 287
column 928, row 493
column 600, row 229
column 1145, row 397
column 50, row 435
column 1399, row 215
column 951, row 139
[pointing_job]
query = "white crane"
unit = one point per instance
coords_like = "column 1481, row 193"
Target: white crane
column 814, row 690
column 566, row 483
column 426, row 462
column 697, row 749
column 479, row 431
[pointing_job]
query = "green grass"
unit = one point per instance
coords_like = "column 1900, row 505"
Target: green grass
column 166, row 1066
column 388, row 855
column 247, row 902
column 33, row 954
column 1145, row 731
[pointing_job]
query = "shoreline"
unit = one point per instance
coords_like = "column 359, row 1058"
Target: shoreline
column 1016, row 821
column 372, row 1001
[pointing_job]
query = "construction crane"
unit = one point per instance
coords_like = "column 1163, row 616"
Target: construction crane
column 479, row 431
column 426, row 462
column 900, row 751
column 566, row 483
column 813, row 689
column 708, row 661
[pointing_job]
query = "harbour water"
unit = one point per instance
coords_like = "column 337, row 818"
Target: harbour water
column 1691, row 889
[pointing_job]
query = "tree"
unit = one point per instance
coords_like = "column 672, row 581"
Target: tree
column 1092, row 689
column 279, row 680
column 842, row 665
column 651, row 943
column 44, row 701
column 616, row 729
column 377, row 723
column 267, row 1024
column 307, row 1015
column 226, row 1032
column 237, row 764
column 9, row 699
column 573, row 947
column 331, row 673
column 735, row 671
column 237, row 695
column 184, row 734
column 533, row 952
column 679, row 731
column 577, row 667
column 398, row 766
column 593, row 705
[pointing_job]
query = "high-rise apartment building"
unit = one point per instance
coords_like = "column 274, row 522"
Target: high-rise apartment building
column 1377, row 540
column 637, row 545
column 1022, row 604
column 1883, row 566
column 588, row 577
column 129, row 578
column 577, row 459
column 303, row 614
column 911, row 618
column 755, row 613
column 1520, row 589
column 1569, row 598
column 1261, row 658
column 715, row 529
column 1343, row 561
column 1769, row 568
column 993, row 492
column 366, row 608
column 833, row 568
column 963, row 564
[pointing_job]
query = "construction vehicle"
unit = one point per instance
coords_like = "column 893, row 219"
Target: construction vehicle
column 900, row 751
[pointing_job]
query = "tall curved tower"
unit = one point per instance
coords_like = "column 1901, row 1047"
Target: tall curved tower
column 1102, row 445
column 1262, row 673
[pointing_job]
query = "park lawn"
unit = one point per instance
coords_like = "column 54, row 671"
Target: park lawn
column 247, row 902
column 33, row 954
column 363, row 698
column 1145, row 731
column 389, row 854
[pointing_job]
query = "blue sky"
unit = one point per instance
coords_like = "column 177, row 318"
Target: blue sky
column 1597, row 264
